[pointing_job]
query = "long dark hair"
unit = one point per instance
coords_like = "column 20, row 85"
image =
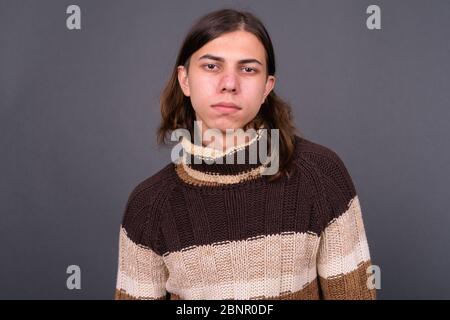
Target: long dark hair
column 176, row 109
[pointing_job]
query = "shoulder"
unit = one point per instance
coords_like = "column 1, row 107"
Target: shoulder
column 316, row 153
column 145, row 203
column 150, row 188
column 331, row 176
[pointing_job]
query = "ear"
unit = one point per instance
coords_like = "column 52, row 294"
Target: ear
column 270, row 84
column 183, row 80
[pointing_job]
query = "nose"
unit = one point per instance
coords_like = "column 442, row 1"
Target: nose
column 229, row 83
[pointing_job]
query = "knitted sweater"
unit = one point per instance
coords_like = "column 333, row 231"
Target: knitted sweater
column 223, row 231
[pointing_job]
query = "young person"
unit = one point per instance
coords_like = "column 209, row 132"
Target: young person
column 207, row 228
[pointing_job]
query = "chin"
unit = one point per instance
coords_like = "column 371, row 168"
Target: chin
column 224, row 125
column 224, row 128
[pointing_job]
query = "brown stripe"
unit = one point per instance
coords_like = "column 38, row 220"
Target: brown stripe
column 350, row 286
column 202, row 216
column 123, row 295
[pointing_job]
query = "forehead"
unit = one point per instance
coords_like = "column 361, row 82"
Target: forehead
column 234, row 46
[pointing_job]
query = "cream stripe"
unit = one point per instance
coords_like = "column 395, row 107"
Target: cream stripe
column 141, row 272
column 343, row 244
column 139, row 289
column 342, row 265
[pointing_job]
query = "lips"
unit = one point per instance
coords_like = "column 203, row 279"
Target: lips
column 226, row 107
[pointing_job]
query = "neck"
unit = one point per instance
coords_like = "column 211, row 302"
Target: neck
column 222, row 140
column 235, row 160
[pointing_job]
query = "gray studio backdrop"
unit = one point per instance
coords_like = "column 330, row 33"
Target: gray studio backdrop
column 79, row 109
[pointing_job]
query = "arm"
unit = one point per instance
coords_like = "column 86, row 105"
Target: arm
column 343, row 255
column 141, row 272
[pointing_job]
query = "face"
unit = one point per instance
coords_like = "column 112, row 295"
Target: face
column 231, row 70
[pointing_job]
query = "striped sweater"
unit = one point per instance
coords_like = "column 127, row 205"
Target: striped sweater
column 223, row 231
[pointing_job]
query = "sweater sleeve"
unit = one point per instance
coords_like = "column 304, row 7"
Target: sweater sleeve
column 343, row 256
column 141, row 272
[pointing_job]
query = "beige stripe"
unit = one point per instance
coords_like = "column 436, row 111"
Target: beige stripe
column 259, row 266
column 141, row 272
column 191, row 180
column 222, row 179
column 309, row 292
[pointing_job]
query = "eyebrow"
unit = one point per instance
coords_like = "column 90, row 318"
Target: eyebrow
column 212, row 57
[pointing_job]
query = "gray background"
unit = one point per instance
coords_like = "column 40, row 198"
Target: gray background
column 79, row 110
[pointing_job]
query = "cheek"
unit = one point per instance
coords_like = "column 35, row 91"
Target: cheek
column 203, row 90
column 253, row 94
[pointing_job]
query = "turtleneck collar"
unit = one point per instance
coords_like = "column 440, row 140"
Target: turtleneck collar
column 203, row 165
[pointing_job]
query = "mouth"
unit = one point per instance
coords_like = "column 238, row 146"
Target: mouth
column 226, row 107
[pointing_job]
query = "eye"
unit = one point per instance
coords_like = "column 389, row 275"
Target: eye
column 249, row 70
column 210, row 66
